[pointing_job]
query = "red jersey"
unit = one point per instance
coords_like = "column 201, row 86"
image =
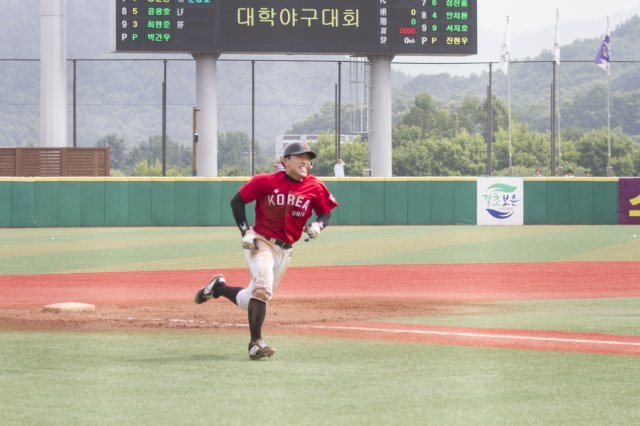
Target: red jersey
column 283, row 206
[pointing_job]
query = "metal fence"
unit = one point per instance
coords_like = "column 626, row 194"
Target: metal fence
column 124, row 96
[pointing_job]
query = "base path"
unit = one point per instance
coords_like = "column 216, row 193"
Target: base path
column 455, row 283
column 345, row 301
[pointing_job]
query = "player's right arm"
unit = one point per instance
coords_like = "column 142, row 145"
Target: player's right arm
column 249, row 240
column 239, row 213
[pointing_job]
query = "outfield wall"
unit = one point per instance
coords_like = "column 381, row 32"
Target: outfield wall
column 155, row 201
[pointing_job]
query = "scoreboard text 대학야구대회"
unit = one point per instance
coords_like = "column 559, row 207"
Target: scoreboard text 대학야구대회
column 356, row 27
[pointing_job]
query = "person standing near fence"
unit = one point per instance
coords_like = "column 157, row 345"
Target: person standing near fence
column 285, row 200
column 338, row 168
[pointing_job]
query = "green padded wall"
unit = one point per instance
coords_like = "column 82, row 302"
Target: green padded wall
column 558, row 202
column 50, row 202
column 581, row 202
column 350, row 199
column 535, row 202
column 23, row 204
column 139, row 203
column 163, row 203
column 209, row 206
column 372, row 196
column 46, row 203
column 5, row 204
column 396, row 202
column 116, row 202
column 418, row 202
column 93, row 208
column 605, row 196
column 442, row 203
column 186, row 203
column 70, row 203
column 464, row 202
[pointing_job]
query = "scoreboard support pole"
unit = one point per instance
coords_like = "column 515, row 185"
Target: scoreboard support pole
column 206, row 102
column 380, row 116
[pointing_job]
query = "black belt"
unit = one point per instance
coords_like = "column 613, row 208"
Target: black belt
column 279, row 243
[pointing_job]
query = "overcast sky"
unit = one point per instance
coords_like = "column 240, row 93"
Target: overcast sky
column 527, row 15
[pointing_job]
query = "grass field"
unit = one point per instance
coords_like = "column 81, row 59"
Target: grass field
column 198, row 376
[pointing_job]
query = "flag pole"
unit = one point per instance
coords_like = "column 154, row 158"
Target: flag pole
column 609, row 167
column 505, row 62
column 556, row 55
column 603, row 60
column 509, row 106
column 507, row 53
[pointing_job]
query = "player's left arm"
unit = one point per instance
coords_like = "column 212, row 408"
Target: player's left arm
column 326, row 204
column 313, row 230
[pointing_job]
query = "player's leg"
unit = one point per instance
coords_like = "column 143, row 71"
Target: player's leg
column 256, row 296
column 258, row 348
column 257, row 308
column 260, row 263
column 280, row 265
column 227, row 292
column 217, row 287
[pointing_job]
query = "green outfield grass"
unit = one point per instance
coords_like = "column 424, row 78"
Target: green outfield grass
column 183, row 378
column 63, row 250
column 180, row 377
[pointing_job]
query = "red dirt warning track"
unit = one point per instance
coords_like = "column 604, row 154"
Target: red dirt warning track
column 346, row 301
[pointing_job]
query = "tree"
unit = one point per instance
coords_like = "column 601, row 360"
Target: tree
column 413, row 158
column 593, row 150
column 474, row 153
column 354, row 154
column 500, row 115
column 143, row 168
column 431, row 121
column 529, row 149
column 150, row 150
column 324, row 120
column 117, row 150
column 470, row 115
column 234, row 154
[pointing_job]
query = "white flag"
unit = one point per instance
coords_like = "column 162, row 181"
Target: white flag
column 556, row 44
column 504, row 52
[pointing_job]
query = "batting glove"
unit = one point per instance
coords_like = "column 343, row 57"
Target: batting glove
column 249, row 240
column 313, row 230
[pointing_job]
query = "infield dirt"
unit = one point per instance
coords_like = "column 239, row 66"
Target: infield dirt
column 344, row 301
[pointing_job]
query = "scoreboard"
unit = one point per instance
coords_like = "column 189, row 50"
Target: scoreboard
column 354, row 27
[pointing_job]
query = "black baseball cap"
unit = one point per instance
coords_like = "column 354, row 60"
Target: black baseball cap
column 297, row 148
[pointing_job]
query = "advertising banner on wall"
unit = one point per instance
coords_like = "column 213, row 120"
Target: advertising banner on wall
column 629, row 201
column 500, row 201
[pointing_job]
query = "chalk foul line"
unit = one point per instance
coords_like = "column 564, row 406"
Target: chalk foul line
column 475, row 335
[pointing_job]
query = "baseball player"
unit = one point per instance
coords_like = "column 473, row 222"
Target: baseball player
column 285, row 200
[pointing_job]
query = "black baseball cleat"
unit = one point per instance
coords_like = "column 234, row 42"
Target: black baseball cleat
column 208, row 291
column 259, row 349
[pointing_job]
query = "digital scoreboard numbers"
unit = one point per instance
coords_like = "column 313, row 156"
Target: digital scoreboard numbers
column 354, row 27
column 163, row 25
column 428, row 27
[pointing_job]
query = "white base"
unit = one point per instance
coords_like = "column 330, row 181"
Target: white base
column 69, row 307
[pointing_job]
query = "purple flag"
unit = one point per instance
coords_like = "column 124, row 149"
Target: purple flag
column 602, row 57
